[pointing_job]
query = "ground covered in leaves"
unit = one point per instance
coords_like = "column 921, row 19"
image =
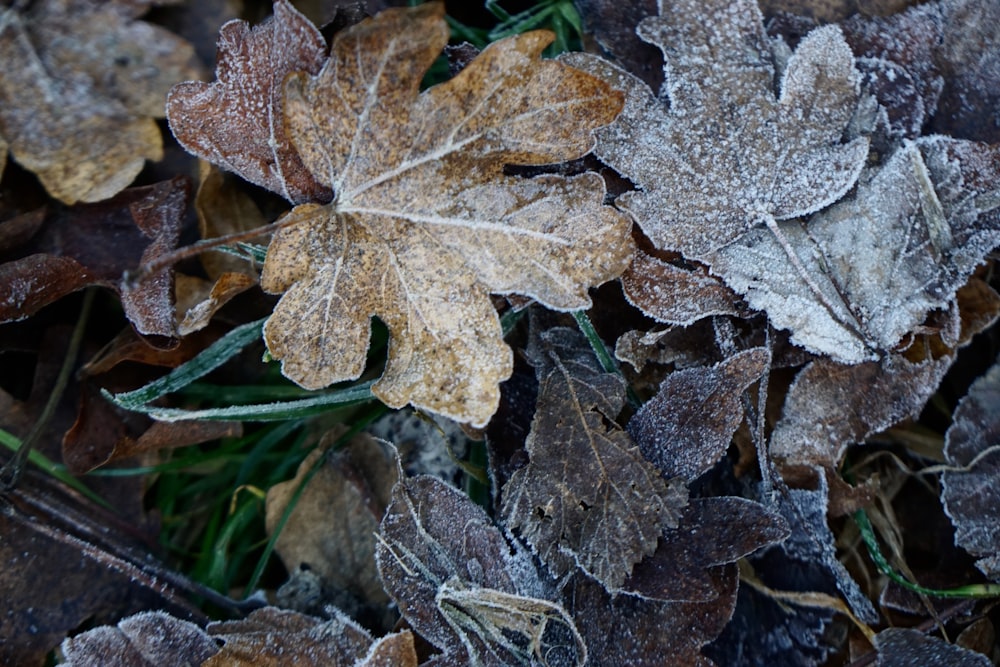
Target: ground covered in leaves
column 605, row 333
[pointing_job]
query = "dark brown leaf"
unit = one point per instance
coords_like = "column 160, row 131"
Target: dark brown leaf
column 711, row 532
column 971, row 494
column 587, row 497
column 462, row 586
column 627, row 630
column 687, row 427
column 95, row 244
column 237, row 121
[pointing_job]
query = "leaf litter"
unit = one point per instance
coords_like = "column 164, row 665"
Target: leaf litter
column 773, row 166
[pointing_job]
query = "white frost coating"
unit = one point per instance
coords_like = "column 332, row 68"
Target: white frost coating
column 883, row 259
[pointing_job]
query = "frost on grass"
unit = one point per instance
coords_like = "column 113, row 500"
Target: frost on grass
column 686, row 428
column 898, row 248
column 730, row 154
column 237, row 121
column 424, row 224
column 464, row 588
column 970, row 493
column 587, row 497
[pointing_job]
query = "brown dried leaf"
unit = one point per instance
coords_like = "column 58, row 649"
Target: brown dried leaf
column 198, row 300
column 224, row 208
column 425, row 224
column 461, row 586
column 83, row 82
column 332, row 528
column 674, row 295
column 970, row 494
column 711, row 532
column 94, row 244
column 273, row 637
column 628, row 630
column 587, row 497
column 237, row 121
column 831, row 406
column 147, row 639
column 687, row 427
column 912, row 233
column 730, row 154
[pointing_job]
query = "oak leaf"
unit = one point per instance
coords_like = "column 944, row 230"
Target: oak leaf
column 729, row 154
column 587, row 498
column 424, row 223
column 82, row 85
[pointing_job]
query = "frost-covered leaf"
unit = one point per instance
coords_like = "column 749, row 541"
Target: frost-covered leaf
column 730, row 154
column 612, row 23
column 424, row 223
column 831, row 406
column 82, row 85
column 147, row 639
column 460, row 585
column 587, row 497
column 711, row 532
column 971, row 495
column 904, row 647
column 628, row 630
column 237, row 122
column 674, row 295
column 883, row 258
column 686, row 428
column 273, row 637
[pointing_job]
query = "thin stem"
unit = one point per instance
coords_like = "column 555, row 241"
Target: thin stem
column 14, row 468
column 604, row 357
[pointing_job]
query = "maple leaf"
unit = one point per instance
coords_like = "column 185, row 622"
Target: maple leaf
column 460, row 585
column 82, row 84
column 236, row 122
column 730, row 155
column 898, row 248
column 587, row 497
column 424, row 224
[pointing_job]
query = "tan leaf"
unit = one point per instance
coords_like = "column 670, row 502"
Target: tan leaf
column 425, row 225
column 81, row 87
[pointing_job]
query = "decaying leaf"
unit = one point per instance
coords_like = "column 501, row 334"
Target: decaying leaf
column 903, row 647
column 147, row 639
column 730, row 155
column 92, row 244
column 628, row 630
column 970, row 494
column 459, row 584
column 831, row 406
column 331, row 531
column 587, row 497
column 424, row 224
column 82, row 84
column 900, row 247
column 237, row 122
column 711, row 532
column 687, row 427
column 272, row 637
column 674, row 295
